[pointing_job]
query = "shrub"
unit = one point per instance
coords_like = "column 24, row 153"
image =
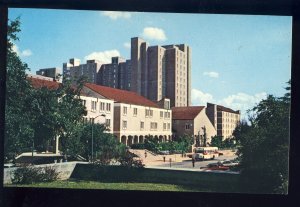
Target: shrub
column 30, row 174
column 128, row 160
column 137, row 146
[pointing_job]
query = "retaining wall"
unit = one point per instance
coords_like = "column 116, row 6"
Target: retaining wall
column 65, row 170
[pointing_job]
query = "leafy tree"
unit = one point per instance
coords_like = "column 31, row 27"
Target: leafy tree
column 217, row 141
column 264, row 145
column 127, row 159
column 18, row 131
column 34, row 117
column 105, row 146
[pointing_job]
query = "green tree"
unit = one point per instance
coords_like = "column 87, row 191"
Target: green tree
column 105, row 146
column 34, row 117
column 18, row 130
column 264, row 145
column 217, row 141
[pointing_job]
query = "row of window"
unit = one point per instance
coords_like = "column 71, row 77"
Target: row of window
column 102, row 106
column 148, row 112
column 153, row 125
column 92, row 120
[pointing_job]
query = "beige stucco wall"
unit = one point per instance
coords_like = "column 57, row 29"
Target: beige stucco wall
column 97, row 113
column 202, row 120
column 196, row 125
column 134, row 121
column 228, row 122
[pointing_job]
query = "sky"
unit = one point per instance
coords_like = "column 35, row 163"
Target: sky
column 237, row 60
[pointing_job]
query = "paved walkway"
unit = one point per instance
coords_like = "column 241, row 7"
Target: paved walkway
column 152, row 159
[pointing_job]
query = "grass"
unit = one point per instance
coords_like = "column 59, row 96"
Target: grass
column 110, row 186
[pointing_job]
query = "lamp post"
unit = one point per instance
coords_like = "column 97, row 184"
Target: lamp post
column 92, row 157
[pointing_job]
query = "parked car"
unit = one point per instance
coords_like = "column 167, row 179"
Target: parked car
column 230, row 163
column 217, row 166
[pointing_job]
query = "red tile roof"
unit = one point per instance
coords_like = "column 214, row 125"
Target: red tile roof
column 121, row 96
column 40, row 83
column 186, row 113
column 52, row 85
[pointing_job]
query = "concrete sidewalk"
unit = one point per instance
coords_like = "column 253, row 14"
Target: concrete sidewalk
column 192, row 169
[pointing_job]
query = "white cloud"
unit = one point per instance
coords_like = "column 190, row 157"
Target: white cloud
column 243, row 101
column 114, row 15
column 104, row 57
column 127, row 45
column 201, row 98
column 211, row 74
column 24, row 53
column 154, row 33
column 238, row 101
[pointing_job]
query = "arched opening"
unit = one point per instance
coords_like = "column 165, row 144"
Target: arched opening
column 141, row 139
column 123, row 140
column 129, row 140
column 160, row 138
column 136, row 139
column 165, row 138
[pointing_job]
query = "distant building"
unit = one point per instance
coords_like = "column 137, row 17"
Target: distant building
column 53, row 73
column 223, row 119
column 161, row 71
column 192, row 121
column 154, row 72
column 116, row 74
column 135, row 117
column 39, row 77
column 73, row 70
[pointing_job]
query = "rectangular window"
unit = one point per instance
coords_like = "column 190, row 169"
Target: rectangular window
column 107, row 122
column 124, row 124
column 102, row 106
column 187, row 126
column 94, row 106
column 161, row 114
column 169, row 126
column 165, row 126
column 151, row 112
column 146, row 112
column 166, row 114
column 107, row 106
column 153, row 125
column 142, row 125
column 134, row 111
column 124, row 110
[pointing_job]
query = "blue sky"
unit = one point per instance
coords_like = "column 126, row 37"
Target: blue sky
column 236, row 59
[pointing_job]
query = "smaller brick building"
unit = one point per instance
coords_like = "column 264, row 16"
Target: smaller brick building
column 192, row 121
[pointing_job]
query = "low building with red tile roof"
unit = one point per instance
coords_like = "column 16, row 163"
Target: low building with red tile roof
column 40, row 82
column 99, row 109
column 192, row 121
column 135, row 117
column 224, row 119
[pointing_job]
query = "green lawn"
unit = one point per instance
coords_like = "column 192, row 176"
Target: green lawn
column 110, row 186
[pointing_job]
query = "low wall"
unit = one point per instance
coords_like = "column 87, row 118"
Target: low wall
column 65, row 170
column 124, row 174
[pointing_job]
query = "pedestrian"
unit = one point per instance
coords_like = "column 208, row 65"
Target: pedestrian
column 164, row 158
column 145, row 154
column 193, row 161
